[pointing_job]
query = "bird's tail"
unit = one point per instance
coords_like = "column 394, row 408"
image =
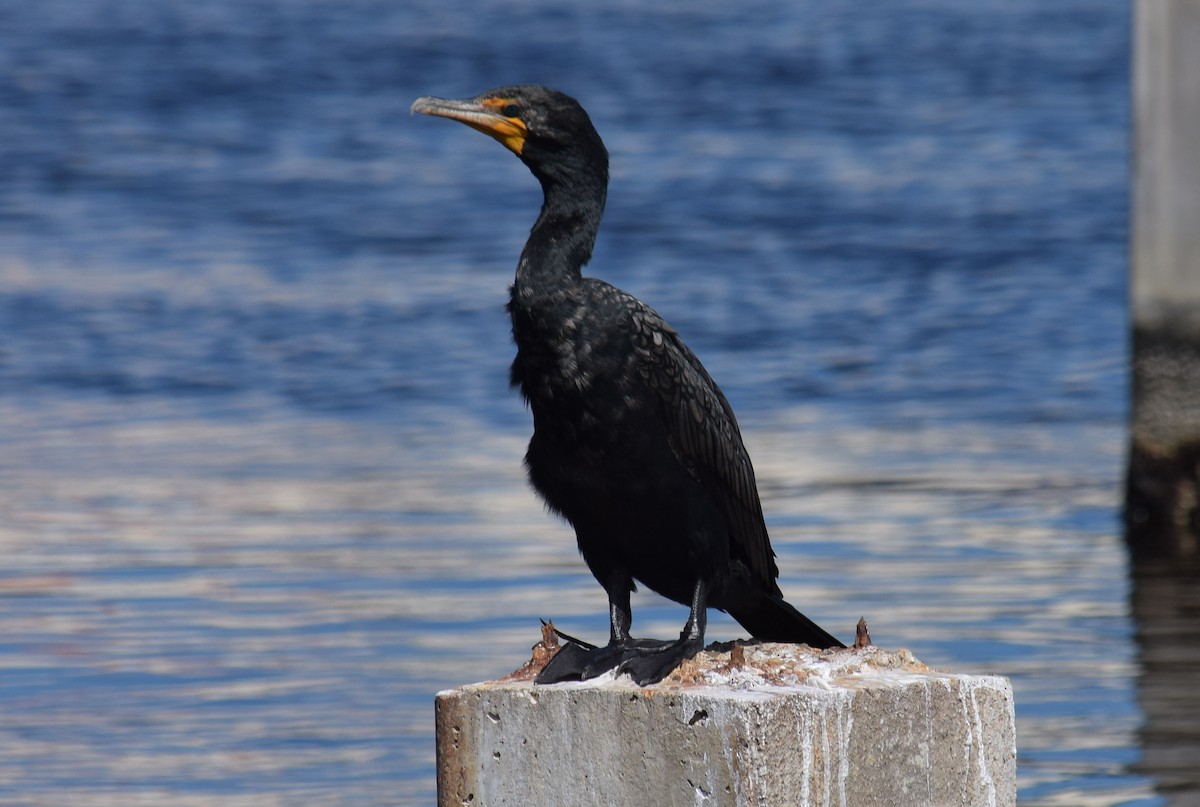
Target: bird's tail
column 772, row 619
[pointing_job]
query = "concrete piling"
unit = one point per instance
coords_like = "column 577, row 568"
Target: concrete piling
column 1163, row 485
column 761, row 724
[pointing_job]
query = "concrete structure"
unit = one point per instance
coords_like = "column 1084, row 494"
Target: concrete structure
column 1163, row 497
column 1166, row 209
column 1163, row 493
column 753, row 725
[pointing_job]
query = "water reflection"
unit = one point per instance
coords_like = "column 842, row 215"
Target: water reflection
column 1165, row 600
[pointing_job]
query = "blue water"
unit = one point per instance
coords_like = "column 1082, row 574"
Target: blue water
column 260, row 484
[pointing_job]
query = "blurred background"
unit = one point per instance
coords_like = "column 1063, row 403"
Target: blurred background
column 260, row 482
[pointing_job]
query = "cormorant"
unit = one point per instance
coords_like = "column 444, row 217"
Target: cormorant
column 633, row 442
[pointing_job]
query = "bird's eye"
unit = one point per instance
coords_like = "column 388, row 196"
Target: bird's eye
column 511, row 111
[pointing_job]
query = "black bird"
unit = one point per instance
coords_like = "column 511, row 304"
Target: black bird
column 633, row 443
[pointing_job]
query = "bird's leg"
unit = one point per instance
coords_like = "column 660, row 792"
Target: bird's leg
column 693, row 629
column 646, row 660
column 650, row 662
column 580, row 661
column 620, row 616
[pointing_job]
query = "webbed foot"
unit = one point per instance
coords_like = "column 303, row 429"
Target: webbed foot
column 651, row 664
column 647, row 661
column 568, row 664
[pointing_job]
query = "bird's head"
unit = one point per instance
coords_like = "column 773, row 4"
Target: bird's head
column 547, row 129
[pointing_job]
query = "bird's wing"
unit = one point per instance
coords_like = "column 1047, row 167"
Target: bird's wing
column 703, row 432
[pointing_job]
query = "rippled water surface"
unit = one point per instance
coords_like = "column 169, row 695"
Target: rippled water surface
column 260, row 483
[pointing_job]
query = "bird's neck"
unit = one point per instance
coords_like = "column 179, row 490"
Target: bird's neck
column 563, row 236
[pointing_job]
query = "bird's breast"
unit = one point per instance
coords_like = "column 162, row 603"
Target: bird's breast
column 574, row 365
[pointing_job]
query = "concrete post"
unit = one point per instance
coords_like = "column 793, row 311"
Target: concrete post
column 1163, row 491
column 761, row 725
column 1162, row 514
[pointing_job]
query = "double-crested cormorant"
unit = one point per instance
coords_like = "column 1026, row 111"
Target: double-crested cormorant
column 633, row 442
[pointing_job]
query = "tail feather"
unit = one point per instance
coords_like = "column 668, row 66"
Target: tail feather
column 772, row 619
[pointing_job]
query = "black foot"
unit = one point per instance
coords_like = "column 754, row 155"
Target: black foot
column 647, row 661
column 568, row 664
column 580, row 661
column 649, row 665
